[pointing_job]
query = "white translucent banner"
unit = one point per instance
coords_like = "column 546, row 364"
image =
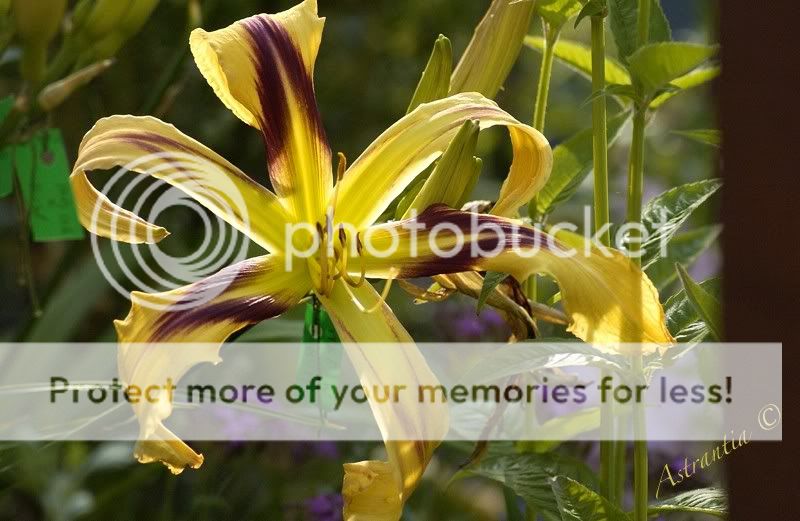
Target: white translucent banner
column 541, row 390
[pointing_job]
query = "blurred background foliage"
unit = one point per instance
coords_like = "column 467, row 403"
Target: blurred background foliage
column 370, row 60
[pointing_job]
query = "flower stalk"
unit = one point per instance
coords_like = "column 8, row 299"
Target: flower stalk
column 539, row 112
column 634, row 215
column 545, row 72
column 608, row 474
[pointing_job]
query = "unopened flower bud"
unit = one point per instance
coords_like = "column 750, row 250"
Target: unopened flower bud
column 104, row 17
column 133, row 19
column 36, row 23
column 55, row 93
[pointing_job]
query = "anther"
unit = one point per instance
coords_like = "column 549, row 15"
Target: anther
column 341, row 167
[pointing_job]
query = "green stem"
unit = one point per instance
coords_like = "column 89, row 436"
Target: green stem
column 634, row 215
column 539, row 111
column 636, row 179
column 545, row 72
column 640, row 492
column 601, row 217
column 643, row 23
column 599, row 132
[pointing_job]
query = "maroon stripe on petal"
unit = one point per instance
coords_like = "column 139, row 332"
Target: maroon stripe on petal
column 277, row 53
column 204, row 302
column 501, row 236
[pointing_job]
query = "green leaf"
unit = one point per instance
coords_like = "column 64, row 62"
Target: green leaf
column 689, row 80
column 454, row 175
column 709, row 501
column 541, row 354
column 435, row 81
column 707, row 307
column 572, row 162
column 577, row 502
column 513, row 512
column 683, row 248
column 490, row 281
column 578, row 57
column 530, row 476
column 592, row 8
column 557, row 12
column 682, row 319
column 711, row 137
column 663, row 215
column 623, row 20
column 562, row 428
column 617, row 91
column 657, row 64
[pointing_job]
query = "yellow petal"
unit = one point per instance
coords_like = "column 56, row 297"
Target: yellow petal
column 607, row 298
column 204, row 314
column 262, row 68
column 406, row 148
column 370, row 492
column 377, row 490
column 150, row 146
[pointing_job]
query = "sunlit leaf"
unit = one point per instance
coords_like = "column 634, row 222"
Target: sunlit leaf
column 657, row 64
column 572, row 162
column 523, row 357
column 663, row 215
column 689, row 80
column 530, row 476
column 711, row 137
column 683, row 248
column 562, row 428
column 592, row 8
column 623, row 21
column 557, row 12
column 577, row 502
column 619, row 91
column 682, row 319
column 709, row 501
column 706, row 305
column 578, row 57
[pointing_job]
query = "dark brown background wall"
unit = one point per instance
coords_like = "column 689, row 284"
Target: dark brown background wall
column 759, row 95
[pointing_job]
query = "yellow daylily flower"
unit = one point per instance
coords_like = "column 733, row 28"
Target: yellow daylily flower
column 261, row 68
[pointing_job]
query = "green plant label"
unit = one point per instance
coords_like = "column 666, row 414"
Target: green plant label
column 6, row 153
column 43, row 174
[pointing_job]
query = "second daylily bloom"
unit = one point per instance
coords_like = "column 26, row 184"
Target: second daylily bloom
column 261, row 68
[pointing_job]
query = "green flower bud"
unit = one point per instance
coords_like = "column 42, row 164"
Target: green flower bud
column 104, row 17
column 55, row 93
column 36, row 23
column 493, row 49
column 127, row 26
column 136, row 16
